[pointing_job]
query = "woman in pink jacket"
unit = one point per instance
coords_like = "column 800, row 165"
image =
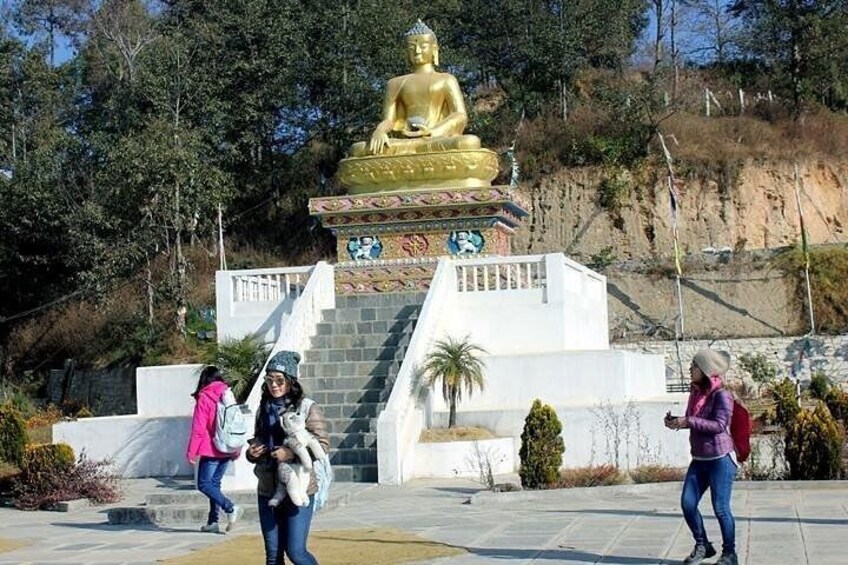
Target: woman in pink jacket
column 201, row 450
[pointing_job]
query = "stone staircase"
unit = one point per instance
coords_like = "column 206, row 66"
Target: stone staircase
column 350, row 369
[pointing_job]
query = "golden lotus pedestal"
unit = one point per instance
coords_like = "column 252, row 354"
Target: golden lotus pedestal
column 389, row 240
column 459, row 168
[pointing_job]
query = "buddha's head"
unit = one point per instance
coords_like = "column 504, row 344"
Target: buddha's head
column 422, row 48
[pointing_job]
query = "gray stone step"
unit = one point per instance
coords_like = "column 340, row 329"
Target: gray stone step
column 380, row 300
column 353, row 410
column 361, row 383
column 350, row 425
column 370, row 314
column 375, row 327
column 340, row 440
column 331, row 396
column 349, row 369
column 355, row 473
column 191, row 509
column 361, row 341
column 389, row 353
column 354, row 456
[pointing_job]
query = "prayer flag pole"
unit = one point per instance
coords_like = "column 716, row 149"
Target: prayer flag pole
column 674, row 203
column 805, row 248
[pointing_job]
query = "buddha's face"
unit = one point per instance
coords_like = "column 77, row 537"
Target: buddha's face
column 421, row 49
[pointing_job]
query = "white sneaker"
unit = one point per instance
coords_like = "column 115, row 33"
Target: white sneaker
column 234, row 516
column 211, row 528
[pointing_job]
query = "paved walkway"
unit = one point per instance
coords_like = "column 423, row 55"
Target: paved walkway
column 777, row 523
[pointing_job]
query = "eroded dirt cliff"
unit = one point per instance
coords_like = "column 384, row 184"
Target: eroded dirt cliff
column 746, row 208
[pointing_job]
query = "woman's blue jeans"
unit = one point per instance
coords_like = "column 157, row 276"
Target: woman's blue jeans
column 209, row 474
column 285, row 530
column 717, row 475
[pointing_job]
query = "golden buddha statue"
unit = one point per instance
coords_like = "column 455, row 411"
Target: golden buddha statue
column 420, row 141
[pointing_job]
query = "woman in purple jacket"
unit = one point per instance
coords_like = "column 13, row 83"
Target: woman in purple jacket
column 713, row 463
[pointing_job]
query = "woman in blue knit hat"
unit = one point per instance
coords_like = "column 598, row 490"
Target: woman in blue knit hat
column 285, row 528
column 713, row 466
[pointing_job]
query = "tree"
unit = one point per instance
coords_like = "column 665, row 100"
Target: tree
column 457, row 365
column 712, row 29
column 541, row 447
column 805, row 45
column 49, row 18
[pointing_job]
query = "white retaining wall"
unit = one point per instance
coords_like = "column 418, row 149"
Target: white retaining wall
column 828, row 354
column 590, row 432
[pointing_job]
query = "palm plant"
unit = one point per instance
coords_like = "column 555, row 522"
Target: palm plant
column 241, row 361
column 456, row 363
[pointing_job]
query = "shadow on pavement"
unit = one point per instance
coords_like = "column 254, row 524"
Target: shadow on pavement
column 706, row 513
column 563, row 555
column 104, row 527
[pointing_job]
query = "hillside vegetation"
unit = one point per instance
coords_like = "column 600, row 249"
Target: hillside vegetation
column 116, row 156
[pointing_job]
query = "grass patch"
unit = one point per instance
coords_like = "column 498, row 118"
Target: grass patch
column 7, row 545
column 459, row 433
column 331, row 547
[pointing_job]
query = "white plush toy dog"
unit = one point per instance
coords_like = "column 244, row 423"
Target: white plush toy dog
column 293, row 478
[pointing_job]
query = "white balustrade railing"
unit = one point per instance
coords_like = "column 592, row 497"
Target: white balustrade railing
column 501, row 273
column 399, row 425
column 319, row 293
column 268, row 285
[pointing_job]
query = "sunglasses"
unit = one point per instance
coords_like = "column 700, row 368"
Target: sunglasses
column 276, row 381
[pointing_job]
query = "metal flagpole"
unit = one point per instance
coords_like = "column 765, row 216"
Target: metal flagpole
column 805, row 248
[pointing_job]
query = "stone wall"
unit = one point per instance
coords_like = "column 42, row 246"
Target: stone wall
column 828, row 354
column 104, row 392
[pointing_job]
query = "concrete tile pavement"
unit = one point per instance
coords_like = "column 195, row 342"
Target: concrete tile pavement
column 777, row 523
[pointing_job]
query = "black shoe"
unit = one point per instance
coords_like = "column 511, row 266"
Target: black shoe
column 728, row 559
column 703, row 551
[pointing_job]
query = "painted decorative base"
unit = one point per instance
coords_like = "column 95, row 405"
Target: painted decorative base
column 420, row 224
column 384, row 276
column 463, row 458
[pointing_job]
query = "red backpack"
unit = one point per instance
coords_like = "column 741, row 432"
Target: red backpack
column 740, row 431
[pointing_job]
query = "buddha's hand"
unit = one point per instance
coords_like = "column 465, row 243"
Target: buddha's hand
column 379, row 141
column 418, row 131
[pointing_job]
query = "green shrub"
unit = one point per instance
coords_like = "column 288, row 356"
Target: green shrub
column 595, row 476
column 657, row 474
column 48, row 458
column 786, row 402
column 820, row 386
column 541, row 447
column 813, row 446
column 762, row 371
column 44, row 468
column 614, row 192
column 837, row 403
column 13, row 436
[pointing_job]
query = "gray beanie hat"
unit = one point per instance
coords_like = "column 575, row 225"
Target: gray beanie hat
column 284, row 362
column 712, row 361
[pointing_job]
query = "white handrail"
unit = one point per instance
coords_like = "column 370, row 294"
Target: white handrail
column 499, row 274
column 318, row 294
column 400, row 424
column 260, row 285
